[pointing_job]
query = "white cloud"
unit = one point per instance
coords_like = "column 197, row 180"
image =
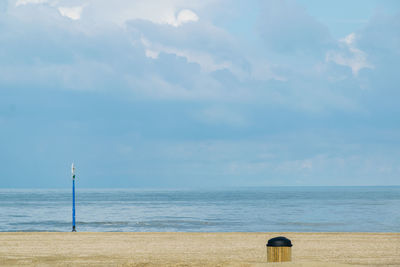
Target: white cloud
column 183, row 16
column 172, row 12
column 120, row 11
column 151, row 54
column 205, row 60
column 26, row 2
column 357, row 59
column 349, row 39
column 73, row 13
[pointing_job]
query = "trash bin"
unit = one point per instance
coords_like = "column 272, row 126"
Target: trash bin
column 279, row 249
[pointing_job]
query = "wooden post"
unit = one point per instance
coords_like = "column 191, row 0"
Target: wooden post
column 279, row 249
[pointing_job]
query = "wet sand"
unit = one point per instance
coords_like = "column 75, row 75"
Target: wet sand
column 196, row 249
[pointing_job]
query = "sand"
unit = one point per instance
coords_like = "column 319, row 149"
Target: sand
column 196, row 249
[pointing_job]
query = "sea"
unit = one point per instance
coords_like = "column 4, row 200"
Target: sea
column 263, row 209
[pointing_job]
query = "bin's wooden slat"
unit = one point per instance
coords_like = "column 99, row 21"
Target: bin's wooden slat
column 279, row 254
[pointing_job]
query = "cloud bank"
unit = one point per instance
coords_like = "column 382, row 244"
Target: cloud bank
column 176, row 93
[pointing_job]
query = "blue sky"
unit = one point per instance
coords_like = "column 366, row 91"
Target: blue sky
column 211, row 93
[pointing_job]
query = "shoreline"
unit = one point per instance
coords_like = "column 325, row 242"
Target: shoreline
column 195, row 248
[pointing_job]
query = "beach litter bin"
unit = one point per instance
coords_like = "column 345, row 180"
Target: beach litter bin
column 279, row 249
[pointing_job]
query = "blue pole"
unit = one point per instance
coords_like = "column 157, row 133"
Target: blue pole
column 73, row 203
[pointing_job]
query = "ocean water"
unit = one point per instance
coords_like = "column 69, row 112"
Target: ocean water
column 297, row 209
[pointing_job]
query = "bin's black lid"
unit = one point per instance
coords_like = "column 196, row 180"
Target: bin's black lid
column 279, row 241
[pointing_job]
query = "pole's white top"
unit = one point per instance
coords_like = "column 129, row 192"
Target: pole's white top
column 73, row 169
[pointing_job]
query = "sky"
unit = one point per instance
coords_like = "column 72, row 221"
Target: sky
column 199, row 94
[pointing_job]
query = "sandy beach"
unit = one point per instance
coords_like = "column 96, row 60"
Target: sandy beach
column 195, row 249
